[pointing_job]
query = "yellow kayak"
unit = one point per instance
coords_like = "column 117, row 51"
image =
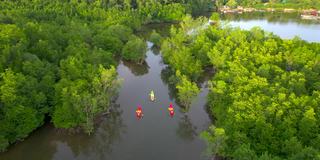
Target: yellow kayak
column 152, row 97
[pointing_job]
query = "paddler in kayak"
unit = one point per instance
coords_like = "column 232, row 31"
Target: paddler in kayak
column 139, row 112
column 171, row 110
column 152, row 97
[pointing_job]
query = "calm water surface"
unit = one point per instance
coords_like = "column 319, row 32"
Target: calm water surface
column 287, row 26
column 120, row 136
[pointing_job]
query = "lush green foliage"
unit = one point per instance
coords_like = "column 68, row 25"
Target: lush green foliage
column 82, row 93
column 187, row 90
column 177, row 53
column 185, row 58
column 135, row 50
column 155, row 11
column 155, row 38
column 22, row 109
column 264, row 96
column 57, row 58
column 199, row 6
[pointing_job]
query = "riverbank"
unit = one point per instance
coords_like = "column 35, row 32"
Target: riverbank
column 306, row 14
column 240, row 9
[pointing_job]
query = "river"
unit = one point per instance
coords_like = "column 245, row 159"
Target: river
column 120, row 136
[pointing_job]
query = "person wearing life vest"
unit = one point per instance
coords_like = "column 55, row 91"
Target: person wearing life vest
column 152, row 97
column 171, row 110
column 139, row 112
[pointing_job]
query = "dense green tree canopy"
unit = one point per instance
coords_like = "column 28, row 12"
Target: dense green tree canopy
column 134, row 50
column 155, row 38
column 187, row 90
column 57, row 58
column 264, row 95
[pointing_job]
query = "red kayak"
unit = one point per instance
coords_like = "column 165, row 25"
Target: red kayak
column 139, row 113
column 171, row 110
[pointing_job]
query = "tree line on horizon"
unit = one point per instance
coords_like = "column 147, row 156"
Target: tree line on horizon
column 301, row 4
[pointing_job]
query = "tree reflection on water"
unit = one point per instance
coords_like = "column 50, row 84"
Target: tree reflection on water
column 186, row 130
column 137, row 69
column 97, row 146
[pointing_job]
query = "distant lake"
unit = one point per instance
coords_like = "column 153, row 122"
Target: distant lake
column 283, row 24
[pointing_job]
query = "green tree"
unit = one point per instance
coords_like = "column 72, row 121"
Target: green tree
column 108, row 43
column 187, row 90
column 307, row 125
column 121, row 32
column 244, row 152
column 216, row 139
column 232, row 3
column 155, row 38
column 134, row 50
column 56, row 59
column 79, row 99
column 18, row 117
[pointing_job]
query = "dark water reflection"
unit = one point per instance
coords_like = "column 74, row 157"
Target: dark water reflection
column 186, row 130
column 137, row 69
column 99, row 146
column 49, row 143
column 166, row 75
column 155, row 50
column 161, row 28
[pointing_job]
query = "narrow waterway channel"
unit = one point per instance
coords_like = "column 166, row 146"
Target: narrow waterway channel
column 121, row 136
